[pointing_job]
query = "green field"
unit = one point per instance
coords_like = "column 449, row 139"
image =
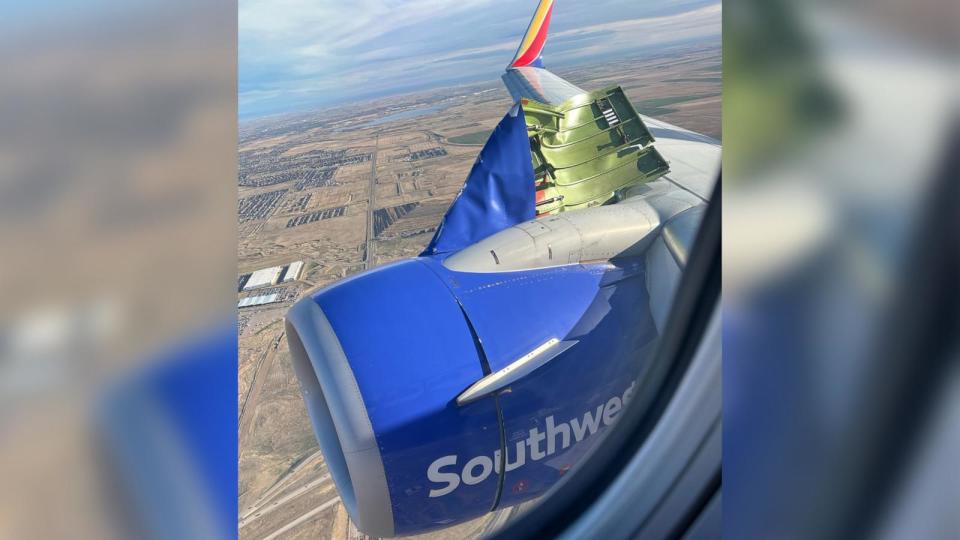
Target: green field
column 477, row 138
column 661, row 106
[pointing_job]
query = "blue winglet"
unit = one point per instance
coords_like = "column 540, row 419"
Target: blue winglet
column 499, row 192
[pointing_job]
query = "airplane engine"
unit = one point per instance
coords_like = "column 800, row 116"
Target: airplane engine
column 440, row 395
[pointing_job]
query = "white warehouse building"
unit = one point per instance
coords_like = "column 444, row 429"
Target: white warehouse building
column 273, row 275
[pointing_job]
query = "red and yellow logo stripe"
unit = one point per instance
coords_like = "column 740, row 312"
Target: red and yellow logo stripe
column 536, row 36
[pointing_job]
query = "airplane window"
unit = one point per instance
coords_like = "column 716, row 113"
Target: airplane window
column 469, row 344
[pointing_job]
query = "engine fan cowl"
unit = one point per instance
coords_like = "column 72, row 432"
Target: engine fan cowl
column 381, row 358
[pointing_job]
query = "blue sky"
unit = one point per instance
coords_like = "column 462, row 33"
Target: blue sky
column 301, row 54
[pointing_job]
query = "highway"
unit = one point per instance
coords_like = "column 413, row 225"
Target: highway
column 369, row 259
column 302, row 519
column 281, row 483
column 259, row 512
column 256, row 387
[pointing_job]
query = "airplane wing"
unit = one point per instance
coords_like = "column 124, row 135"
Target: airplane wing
column 588, row 149
column 693, row 158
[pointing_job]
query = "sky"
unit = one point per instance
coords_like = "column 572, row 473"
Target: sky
column 297, row 55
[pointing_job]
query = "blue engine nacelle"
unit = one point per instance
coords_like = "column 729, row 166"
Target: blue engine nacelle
column 383, row 356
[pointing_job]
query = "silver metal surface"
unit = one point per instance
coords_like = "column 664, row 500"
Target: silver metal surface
column 681, row 231
column 539, row 84
column 515, row 371
column 624, row 229
column 694, row 158
column 339, row 417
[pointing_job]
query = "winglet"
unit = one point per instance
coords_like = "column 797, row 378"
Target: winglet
column 536, row 37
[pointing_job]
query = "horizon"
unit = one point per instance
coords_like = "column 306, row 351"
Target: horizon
column 482, row 80
column 294, row 71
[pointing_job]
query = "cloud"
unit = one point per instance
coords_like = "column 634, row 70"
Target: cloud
column 296, row 53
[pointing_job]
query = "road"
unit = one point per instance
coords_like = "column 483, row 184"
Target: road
column 303, row 519
column 281, row 484
column 257, row 513
column 256, row 387
column 370, row 256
